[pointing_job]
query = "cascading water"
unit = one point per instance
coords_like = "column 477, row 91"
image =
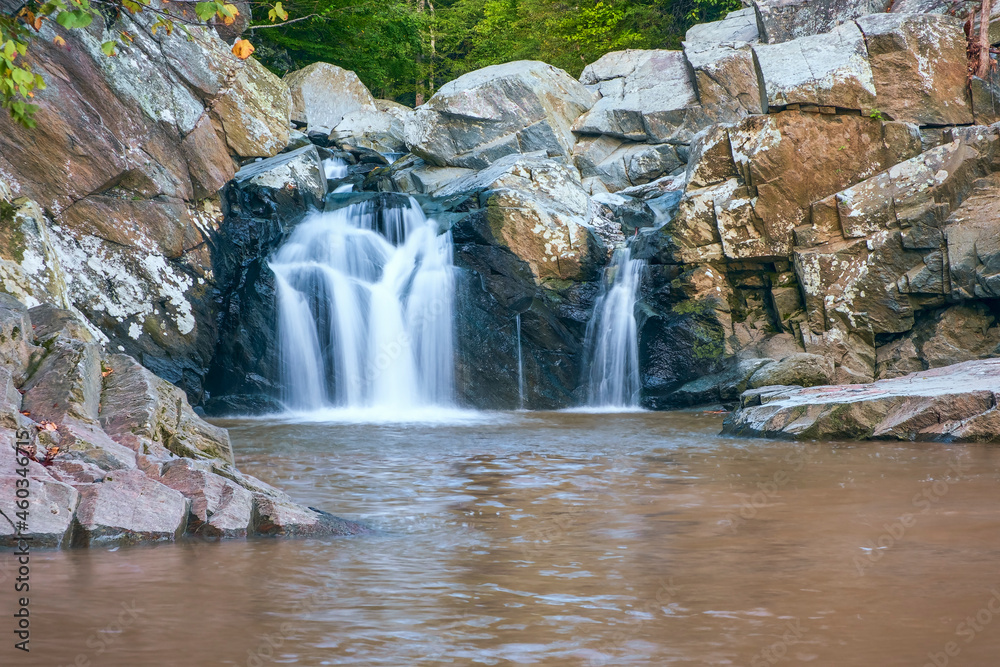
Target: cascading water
column 612, row 338
column 520, row 365
column 365, row 309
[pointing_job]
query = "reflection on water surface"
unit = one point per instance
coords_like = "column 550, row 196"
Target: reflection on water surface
column 559, row 539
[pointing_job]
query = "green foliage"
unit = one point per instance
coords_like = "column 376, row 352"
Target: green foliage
column 877, row 115
column 406, row 49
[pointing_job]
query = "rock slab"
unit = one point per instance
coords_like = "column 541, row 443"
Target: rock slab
column 949, row 404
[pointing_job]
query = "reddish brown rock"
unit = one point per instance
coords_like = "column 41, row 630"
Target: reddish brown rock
column 128, row 508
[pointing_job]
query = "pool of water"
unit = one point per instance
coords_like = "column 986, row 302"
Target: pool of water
column 558, row 539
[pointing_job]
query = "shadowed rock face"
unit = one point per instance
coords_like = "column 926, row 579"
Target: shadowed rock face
column 953, row 403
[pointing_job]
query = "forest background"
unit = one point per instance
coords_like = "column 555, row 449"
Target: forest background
column 404, row 50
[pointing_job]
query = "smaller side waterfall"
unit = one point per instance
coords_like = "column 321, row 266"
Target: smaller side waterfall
column 612, row 337
column 520, row 365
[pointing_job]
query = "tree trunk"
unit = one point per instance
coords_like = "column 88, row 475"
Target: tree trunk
column 984, row 41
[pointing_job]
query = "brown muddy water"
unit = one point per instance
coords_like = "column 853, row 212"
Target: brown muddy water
column 558, row 539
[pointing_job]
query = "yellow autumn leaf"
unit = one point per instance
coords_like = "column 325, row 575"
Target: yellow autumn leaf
column 59, row 41
column 242, row 49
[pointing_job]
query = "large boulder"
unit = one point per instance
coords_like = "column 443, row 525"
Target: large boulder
column 803, row 370
column 128, row 508
column 953, row 403
column 919, row 66
column 255, row 112
column 322, row 94
column 726, row 79
column 826, row 70
column 535, row 207
column 785, row 20
column 220, row 508
column 617, row 164
column 482, row 116
column 643, row 96
column 300, row 169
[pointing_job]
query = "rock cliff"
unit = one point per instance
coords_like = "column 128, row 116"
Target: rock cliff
column 810, row 182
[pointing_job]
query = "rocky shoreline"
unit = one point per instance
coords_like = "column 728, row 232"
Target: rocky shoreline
column 115, row 455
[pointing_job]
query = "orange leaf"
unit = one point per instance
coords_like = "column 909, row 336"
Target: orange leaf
column 59, row 40
column 37, row 23
column 242, row 49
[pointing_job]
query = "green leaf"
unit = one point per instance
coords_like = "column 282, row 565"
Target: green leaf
column 71, row 20
column 280, row 11
column 206, row 10
column 108, row 48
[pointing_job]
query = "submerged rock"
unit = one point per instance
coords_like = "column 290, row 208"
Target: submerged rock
column 953, row 403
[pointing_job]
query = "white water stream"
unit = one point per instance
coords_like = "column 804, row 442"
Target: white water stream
column 612, row 338
column 365, row 307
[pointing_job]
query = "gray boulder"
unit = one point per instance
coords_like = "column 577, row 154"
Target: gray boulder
column 536, row 208
column 785, row 20
column 300, row 169
column 802, row 370
column 826, row 70
column 618, row 164
column 644, row 96
column 738, row 26
column 482, row 116
column 726, row 79
column 322, row 94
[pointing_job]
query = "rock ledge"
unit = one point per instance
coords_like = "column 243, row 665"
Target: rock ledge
column 950, row 404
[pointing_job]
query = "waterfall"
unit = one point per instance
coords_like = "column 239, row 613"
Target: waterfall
column 520, row 365
column 365, row 309
column 612, row 338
